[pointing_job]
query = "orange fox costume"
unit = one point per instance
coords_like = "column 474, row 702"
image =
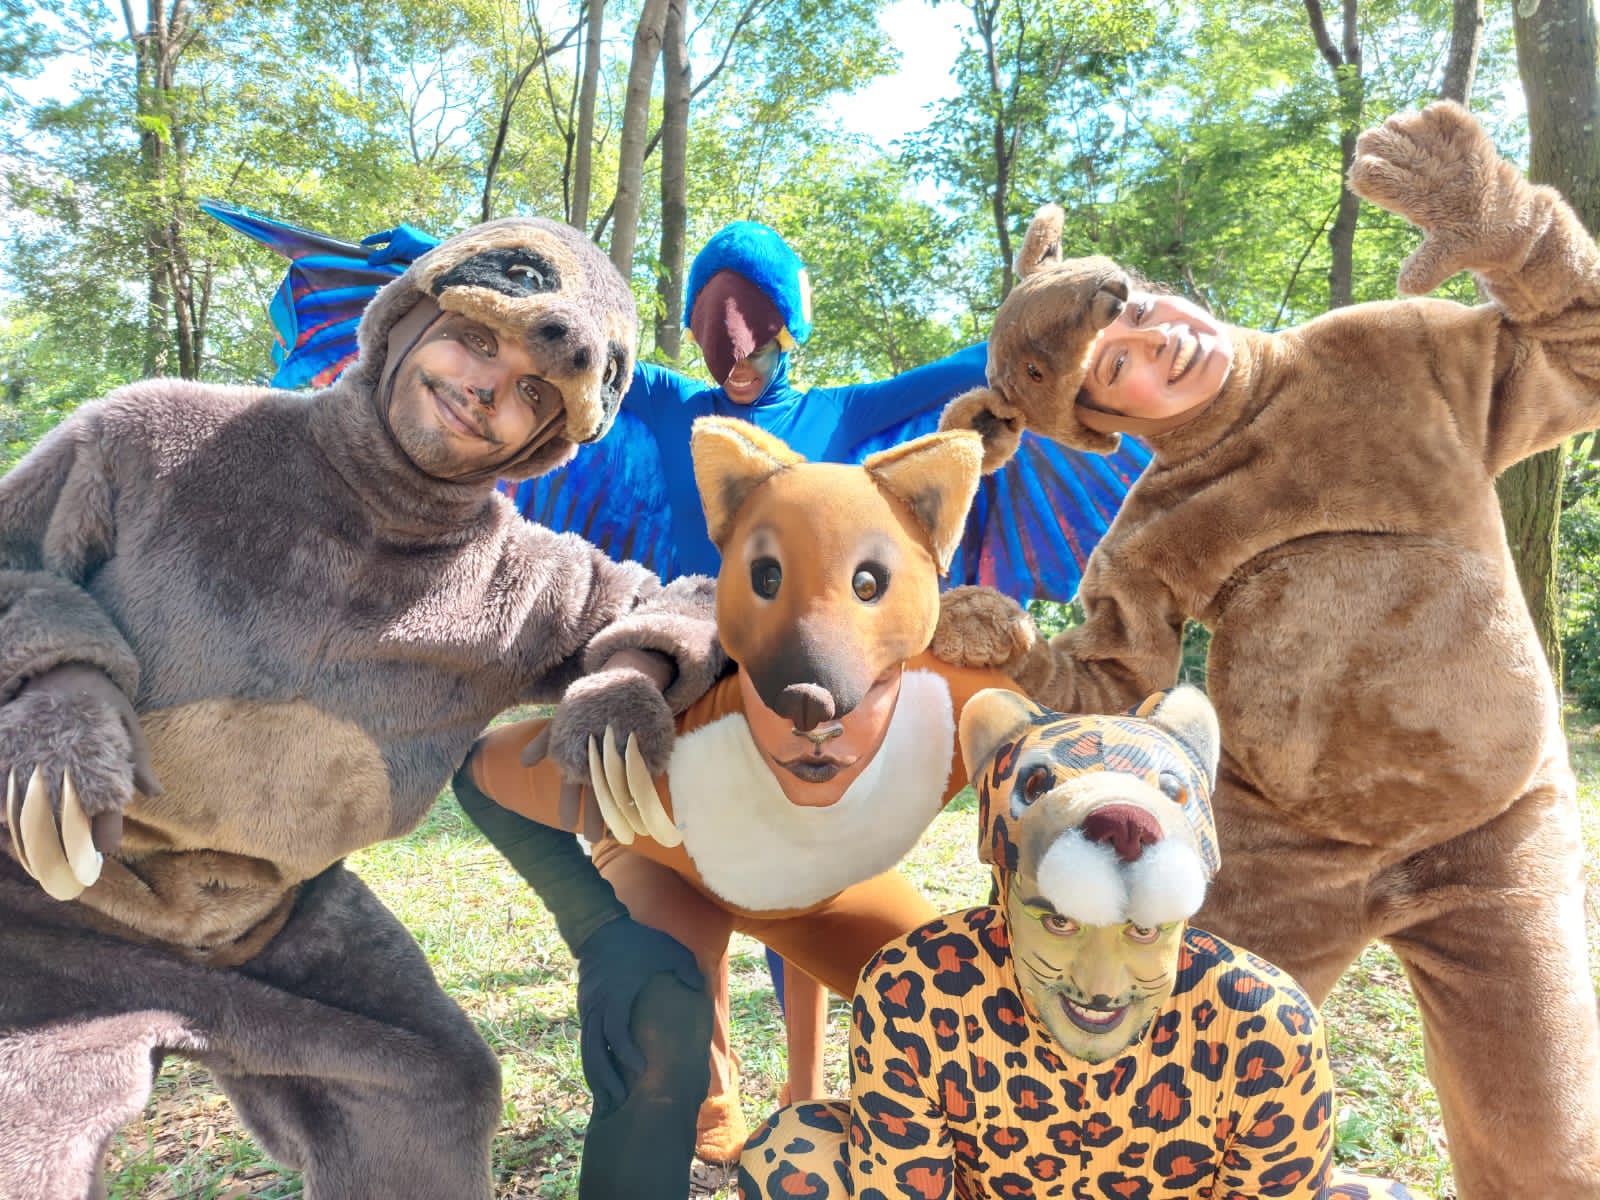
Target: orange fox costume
column 816, row 885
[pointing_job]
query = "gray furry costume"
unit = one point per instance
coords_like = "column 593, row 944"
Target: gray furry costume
column 311, row 631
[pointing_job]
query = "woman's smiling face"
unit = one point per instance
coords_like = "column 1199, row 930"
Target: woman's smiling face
column 1163, row 355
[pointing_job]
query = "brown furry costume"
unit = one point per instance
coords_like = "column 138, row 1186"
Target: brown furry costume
column 1393, row 763
column 312, row 631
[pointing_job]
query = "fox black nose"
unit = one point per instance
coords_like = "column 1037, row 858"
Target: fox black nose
column 806, row 705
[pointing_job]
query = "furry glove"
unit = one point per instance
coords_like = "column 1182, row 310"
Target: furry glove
column 614, row 964
column 1439, row 170
column 72, row 752
column 617, row 718
column 980, row 627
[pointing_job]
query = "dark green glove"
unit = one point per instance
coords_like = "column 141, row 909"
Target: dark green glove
column 616, row 955
column 613, row 967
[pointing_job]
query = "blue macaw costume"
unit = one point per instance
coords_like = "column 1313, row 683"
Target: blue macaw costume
column 1033, row 523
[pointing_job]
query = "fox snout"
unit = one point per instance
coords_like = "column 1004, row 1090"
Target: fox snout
column 807, row 705
column 810, row 683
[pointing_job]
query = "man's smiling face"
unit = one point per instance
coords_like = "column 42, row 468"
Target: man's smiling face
column 1095, row 987
column 466, row 398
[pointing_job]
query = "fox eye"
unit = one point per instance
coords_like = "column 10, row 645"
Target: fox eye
column 869, row 582
column 766, row 575
column 1034, row 373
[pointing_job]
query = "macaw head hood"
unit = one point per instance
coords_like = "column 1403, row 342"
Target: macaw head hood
column 747, row 287
column 542, row 283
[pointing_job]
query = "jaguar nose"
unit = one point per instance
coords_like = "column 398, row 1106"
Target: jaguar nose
column 1126, row 828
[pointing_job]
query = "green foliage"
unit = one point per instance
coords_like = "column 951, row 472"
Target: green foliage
column 1578, row 580
column 1051, row 618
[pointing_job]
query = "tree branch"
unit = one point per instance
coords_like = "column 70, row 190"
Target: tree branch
column 1319, row 31
column 1277, row 321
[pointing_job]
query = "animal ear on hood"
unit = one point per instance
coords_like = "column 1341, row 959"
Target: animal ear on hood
column 1041, row 245
column 989, row 720
column 935, row 476
column 1187, row 715
column 731, row 459
column 992, row 417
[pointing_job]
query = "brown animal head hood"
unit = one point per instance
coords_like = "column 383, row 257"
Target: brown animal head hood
column 537, row 281
column 830, row 572
column 1039, row 348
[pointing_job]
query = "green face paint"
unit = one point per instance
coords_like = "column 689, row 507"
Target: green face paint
column 1095, row 987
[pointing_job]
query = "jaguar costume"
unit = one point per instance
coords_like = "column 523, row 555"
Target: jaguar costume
column 961, row 1084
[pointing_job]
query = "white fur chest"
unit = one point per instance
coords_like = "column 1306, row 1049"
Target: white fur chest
column 757, row 851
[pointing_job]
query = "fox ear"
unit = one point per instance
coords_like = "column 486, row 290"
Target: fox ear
column 731, row 459
column 936, row 477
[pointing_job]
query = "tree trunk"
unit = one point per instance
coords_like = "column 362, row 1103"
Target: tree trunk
column 986, row 15
column 1560, row 69
column 674, row 178
column 635, row 126
column 1346, row 66
column 149, row 118
column 583, row 168
column 508, row 103
column 171, row 306
column 1461, row 61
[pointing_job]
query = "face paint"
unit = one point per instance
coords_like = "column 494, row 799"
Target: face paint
column 1095, row 987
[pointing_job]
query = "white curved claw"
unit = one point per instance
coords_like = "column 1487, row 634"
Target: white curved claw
column 617, row 779
column 14, row 821
column 47, row 861
column 77, row 835
column 645, row 797
column 615, row 821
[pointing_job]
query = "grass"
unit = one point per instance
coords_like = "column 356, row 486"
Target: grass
column 497, row 953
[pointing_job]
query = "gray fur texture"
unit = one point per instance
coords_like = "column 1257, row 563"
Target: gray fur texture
column 46, row 622
column 313, row 632
column 618, row 699
column 54, row 734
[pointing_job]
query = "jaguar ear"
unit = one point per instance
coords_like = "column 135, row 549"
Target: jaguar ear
column 1187, row 715
column 991, row 718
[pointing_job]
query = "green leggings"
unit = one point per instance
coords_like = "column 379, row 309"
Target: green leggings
column 643, row 1148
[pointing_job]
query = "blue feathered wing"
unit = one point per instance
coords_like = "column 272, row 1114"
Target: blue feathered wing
column 1034, row 521
column 1032, row 525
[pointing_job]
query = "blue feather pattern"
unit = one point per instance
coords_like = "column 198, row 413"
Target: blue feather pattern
column 1032, row 526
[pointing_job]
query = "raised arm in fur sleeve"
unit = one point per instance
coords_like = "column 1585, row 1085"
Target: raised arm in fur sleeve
column 1129, row 645
column 71, row 750
column 1529, row 252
